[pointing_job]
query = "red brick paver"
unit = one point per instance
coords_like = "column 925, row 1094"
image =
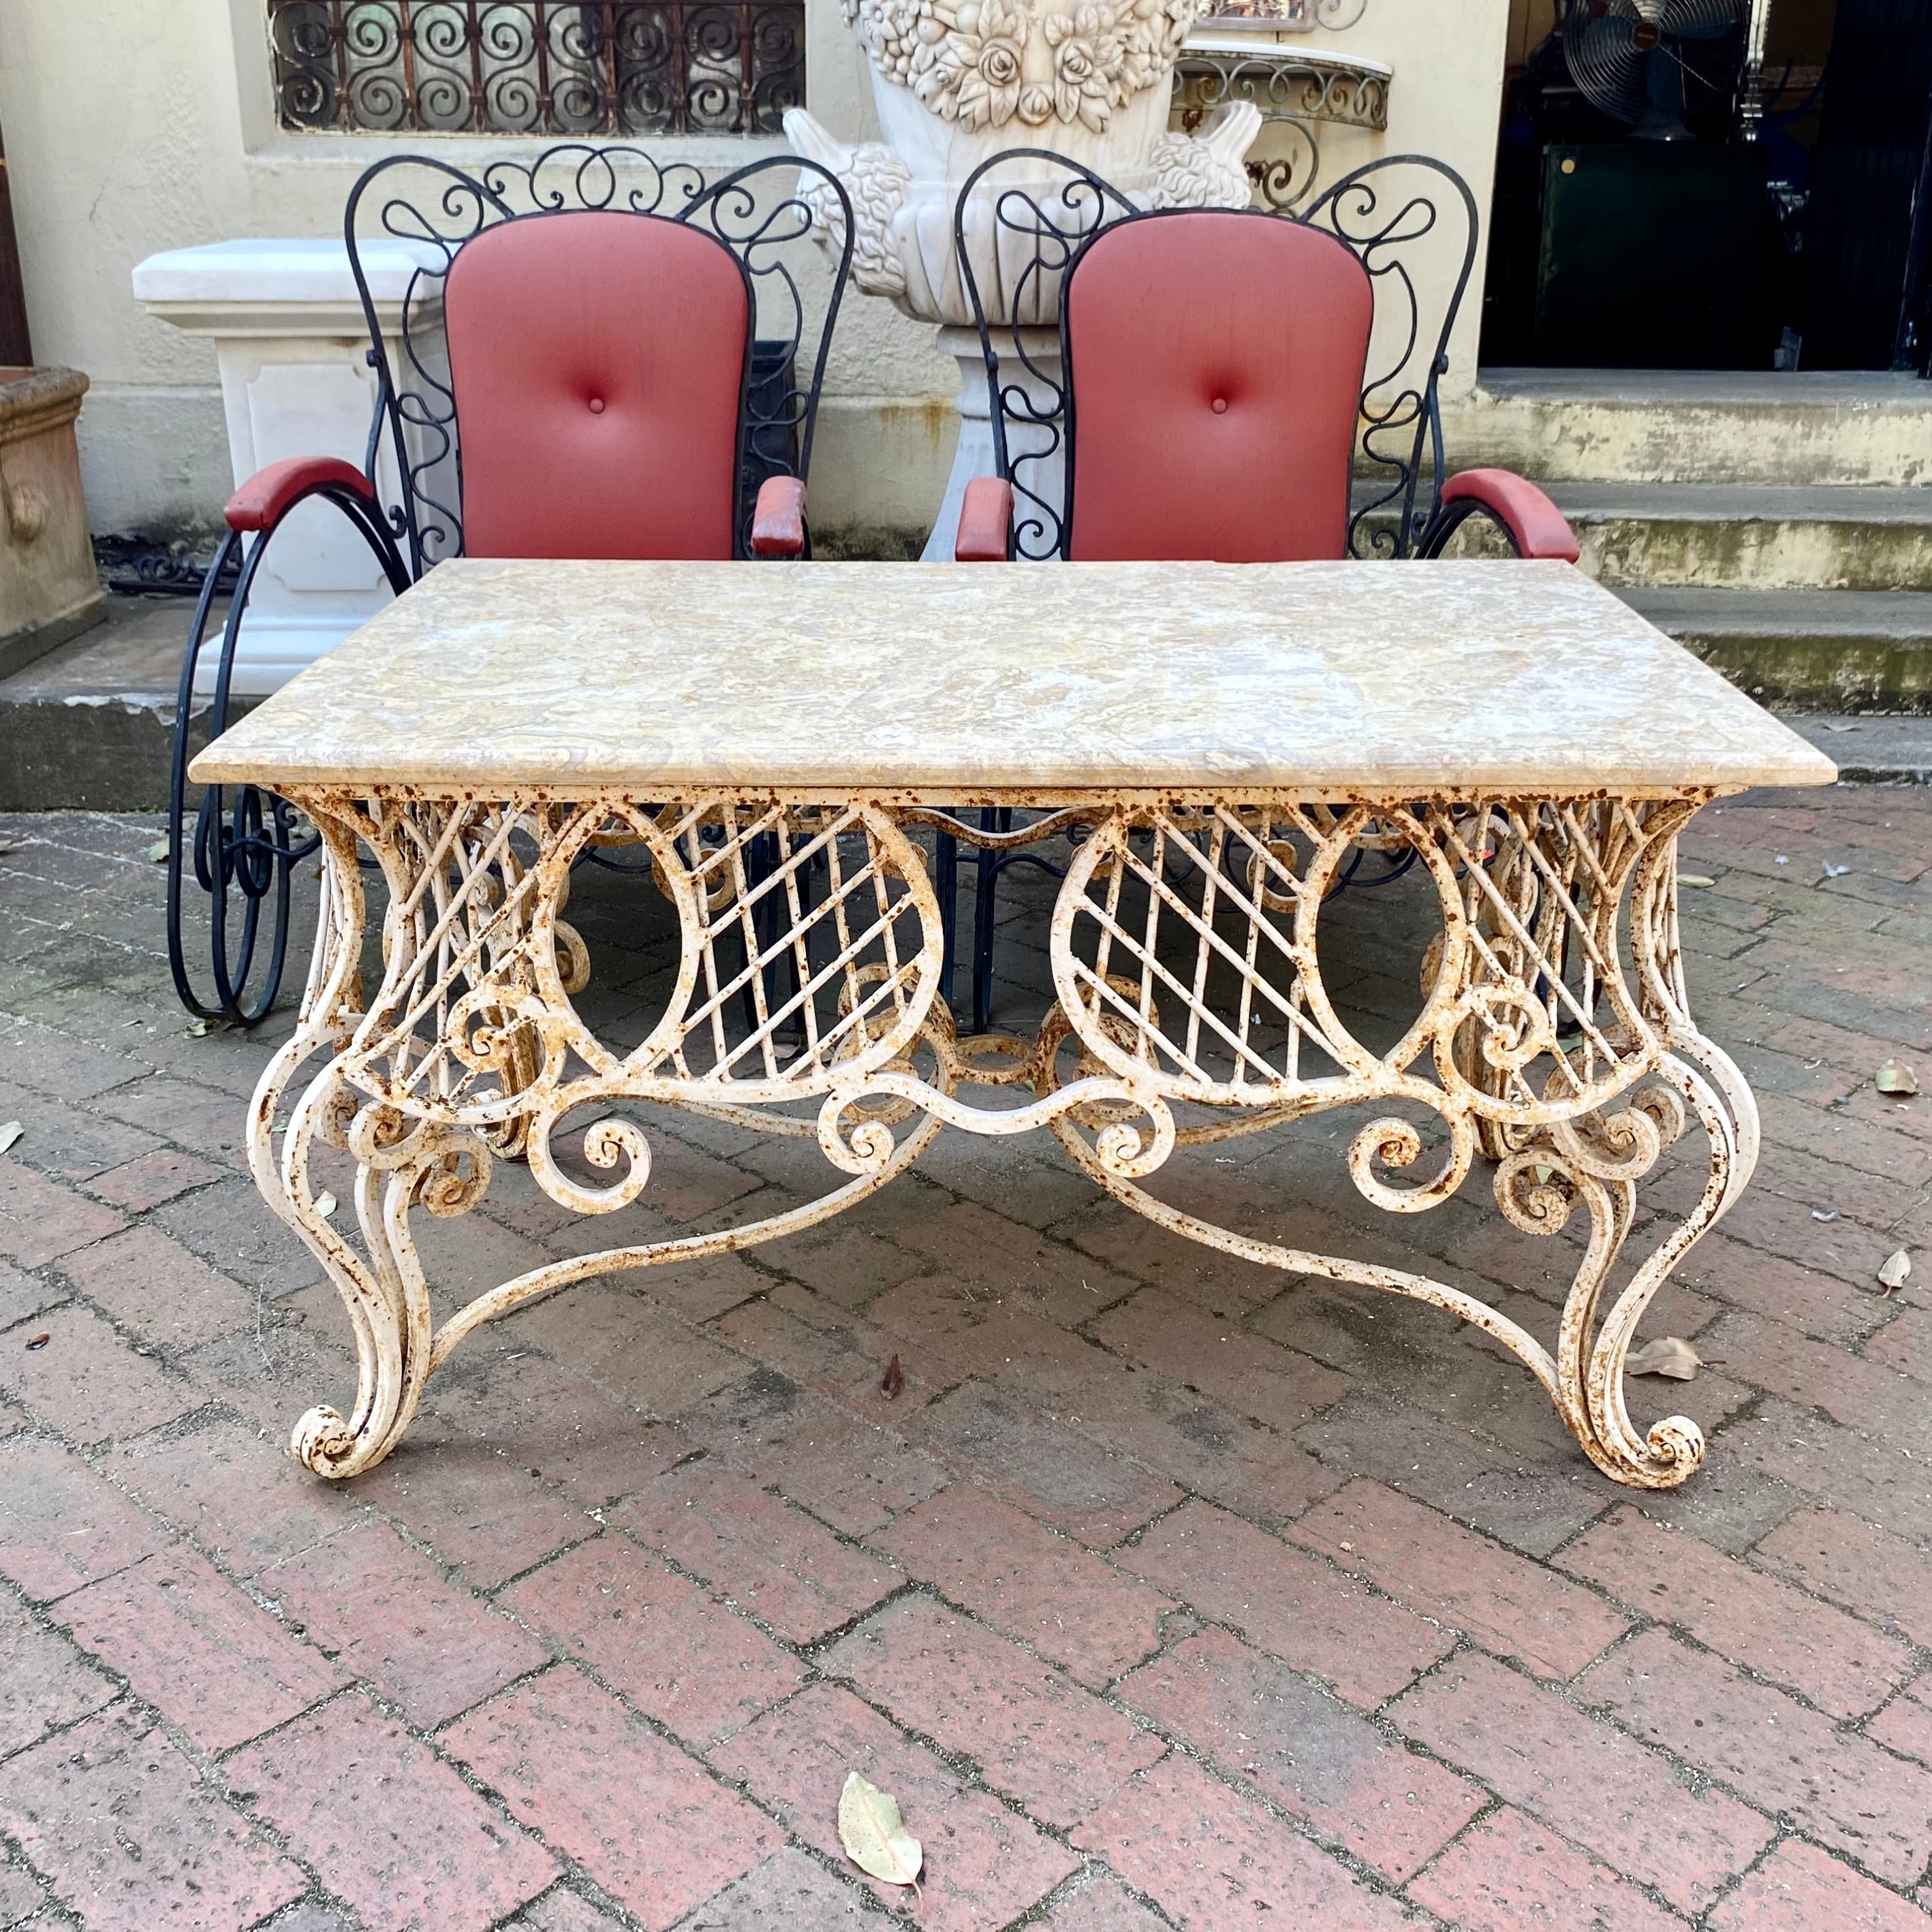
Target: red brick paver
column 133, row 1839
column 774, row 1562
column 1288, row 1603
column 1778, row 1632
column 1511, row 1874
column 998, row 1563
column 1594, row 1785
column 1852, row 1796
column 39, row 1222
column 61, row 1525
column 986, row 1864
column 1304, row 1750
column 1037, row 1737
column 387, row 1825
column 1799, row 1889
column 95, row 1384
column 1880, row 1577
column 198, row 1649
column 652, row 1634
column 44, row 1682
column 393, row 1617
column 601, row 1787
column 1210, row 1858
column 1513, row 1607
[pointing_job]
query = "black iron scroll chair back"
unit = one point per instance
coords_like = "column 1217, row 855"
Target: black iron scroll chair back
column 1391, row 214
column 743, row 236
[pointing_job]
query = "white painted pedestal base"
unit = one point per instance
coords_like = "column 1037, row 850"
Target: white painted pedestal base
column 974, row 455
column 291, row 342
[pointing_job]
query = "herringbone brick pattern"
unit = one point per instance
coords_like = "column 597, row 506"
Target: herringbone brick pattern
column 1168, row 1592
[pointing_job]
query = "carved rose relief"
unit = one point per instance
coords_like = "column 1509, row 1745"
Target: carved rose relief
column 986, row 63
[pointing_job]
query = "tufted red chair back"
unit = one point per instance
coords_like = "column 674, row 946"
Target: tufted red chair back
column 1215, row 362
column 598, row 360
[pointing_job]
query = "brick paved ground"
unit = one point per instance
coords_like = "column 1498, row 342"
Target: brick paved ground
column 1170, row 1591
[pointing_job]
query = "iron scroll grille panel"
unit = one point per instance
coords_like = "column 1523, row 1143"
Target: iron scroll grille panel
column 530, row 67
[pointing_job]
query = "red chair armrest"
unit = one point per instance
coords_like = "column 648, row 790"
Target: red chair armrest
column 263, row 499
column 986, row 517
column 1539, row 527
column 778, row 522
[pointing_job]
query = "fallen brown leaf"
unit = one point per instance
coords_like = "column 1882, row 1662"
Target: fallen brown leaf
column 874, row 1835
column 893, row 1381
column 1668, row 1355
column 39, row 1341
column 1895, row 1077
column 1894, row 1269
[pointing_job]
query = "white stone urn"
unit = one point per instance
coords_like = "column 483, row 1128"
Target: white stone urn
column 959, row 82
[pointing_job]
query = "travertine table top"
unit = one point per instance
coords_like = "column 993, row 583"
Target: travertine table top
column 957, row 683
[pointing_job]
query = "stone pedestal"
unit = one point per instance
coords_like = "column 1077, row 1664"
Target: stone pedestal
column 49, row 590
column 973, row 456
column 292, row 343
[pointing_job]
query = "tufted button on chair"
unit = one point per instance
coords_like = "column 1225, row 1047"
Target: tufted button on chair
column 598, row 358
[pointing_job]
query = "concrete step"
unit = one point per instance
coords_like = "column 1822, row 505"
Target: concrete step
column 1833, row 652
column 91, row 725
column 1870, row 750
column 1713, row 536
column 1695, row 426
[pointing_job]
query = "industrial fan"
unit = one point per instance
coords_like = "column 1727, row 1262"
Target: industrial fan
column 1630, row 59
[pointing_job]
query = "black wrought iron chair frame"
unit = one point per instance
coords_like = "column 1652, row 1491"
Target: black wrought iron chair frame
column 246, row 842
column 1401, row 426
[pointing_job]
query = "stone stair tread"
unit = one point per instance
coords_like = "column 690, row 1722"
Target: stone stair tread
column 1673, row 389
column 1870, row 748
column 1898, row 617
column 1730, row 503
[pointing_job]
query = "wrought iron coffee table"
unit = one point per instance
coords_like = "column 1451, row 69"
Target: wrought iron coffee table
column 1222, row 744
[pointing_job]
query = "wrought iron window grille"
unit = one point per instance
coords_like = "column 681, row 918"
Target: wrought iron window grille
column 533, row 67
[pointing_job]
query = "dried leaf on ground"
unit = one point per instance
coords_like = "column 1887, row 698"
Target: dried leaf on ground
column 1894, row 1269
column 1668, row 1355
column 9, row 1134
column 1895, row 1077
column 893, row 1381
column 39, row 1341
column 1694, row 879
column 874, row 1835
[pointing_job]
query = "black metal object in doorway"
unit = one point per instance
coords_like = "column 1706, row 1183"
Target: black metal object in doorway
column 1867, row 225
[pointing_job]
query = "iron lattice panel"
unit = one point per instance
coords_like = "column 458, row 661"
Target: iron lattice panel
column 530, row 67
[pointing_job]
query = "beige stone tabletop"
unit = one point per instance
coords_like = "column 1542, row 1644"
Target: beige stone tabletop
column 960, row 683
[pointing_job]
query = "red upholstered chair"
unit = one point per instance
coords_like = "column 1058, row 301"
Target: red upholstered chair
column 596, row 357
column 1231, row 385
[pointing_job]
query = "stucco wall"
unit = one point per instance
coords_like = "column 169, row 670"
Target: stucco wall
column 133, row 127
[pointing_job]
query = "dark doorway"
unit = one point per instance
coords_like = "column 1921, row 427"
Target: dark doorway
column 1715, row 185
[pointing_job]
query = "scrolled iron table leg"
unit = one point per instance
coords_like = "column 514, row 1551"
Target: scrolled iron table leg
column 1553, row 1036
